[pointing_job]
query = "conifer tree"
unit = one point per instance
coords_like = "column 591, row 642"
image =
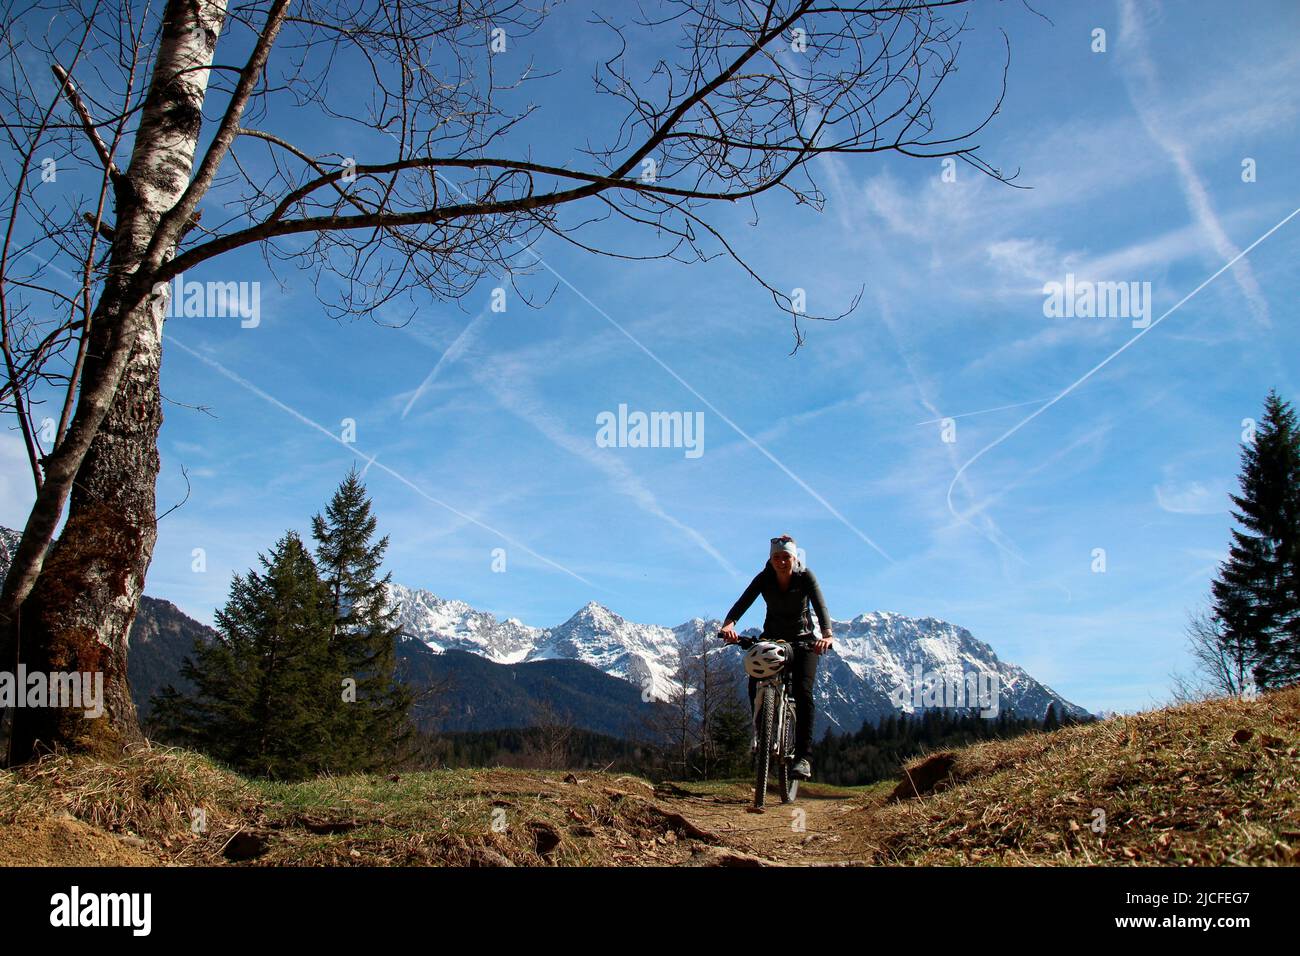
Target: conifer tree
column 1257, row 592
column 374, row 724
column 262, row 688
column 1050, row 722
column 731, row 730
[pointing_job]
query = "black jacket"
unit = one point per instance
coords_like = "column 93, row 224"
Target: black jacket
column 787, row 611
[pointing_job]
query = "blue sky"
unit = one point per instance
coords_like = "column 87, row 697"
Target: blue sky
column 1135, row 159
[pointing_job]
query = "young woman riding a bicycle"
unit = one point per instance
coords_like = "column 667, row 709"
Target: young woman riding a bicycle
column 788, row 587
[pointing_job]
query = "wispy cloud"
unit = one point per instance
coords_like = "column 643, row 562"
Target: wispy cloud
column 311, row 423
column 1113, row 355
column 1190, row 498
column 507, row 379
column 986, row 526
column 1143, row 86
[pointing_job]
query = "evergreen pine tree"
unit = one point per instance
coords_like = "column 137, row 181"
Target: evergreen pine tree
column 1050, row 722
column 260, row 688
column 374, row 724
column 1257, row 592
column 731, row 730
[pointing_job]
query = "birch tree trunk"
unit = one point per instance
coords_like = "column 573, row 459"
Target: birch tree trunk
column 79, row 612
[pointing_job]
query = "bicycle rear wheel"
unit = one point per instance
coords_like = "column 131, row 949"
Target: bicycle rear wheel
column 789, row 782
column 766, row 711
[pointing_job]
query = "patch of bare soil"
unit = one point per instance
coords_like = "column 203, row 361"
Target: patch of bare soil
column 820, row 828
column 63, row 841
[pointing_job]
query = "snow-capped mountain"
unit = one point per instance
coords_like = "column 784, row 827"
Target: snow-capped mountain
column 882, row 663
column 8, row 545
column 453, row 625
column 877, row 661
column 888, row 651
column 645, row 654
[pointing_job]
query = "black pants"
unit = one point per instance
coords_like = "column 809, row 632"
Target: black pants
column 804, row 673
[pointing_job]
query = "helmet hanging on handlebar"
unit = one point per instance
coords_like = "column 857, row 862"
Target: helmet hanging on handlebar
column 765, row 659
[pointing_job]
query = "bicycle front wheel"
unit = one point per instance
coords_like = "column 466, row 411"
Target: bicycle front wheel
column 765, row 718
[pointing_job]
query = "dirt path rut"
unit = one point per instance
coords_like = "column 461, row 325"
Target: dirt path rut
column 821, row 827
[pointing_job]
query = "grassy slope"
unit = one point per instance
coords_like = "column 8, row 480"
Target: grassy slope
column 1211, row 783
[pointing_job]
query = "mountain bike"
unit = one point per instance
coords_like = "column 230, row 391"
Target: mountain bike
column 774, row 726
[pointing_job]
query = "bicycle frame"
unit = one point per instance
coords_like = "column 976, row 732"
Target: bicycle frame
column 780, row 683
column 778, row 743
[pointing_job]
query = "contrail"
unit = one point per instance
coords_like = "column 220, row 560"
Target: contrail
column 452, row 353
column 658, row 361
column 1107, row 360
column 239, row 380
column 1142, row 73
column 983, row 411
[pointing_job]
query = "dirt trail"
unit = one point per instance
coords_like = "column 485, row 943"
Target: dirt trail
column 821, row 827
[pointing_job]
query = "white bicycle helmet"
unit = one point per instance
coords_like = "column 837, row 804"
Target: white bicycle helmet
column 765, row 659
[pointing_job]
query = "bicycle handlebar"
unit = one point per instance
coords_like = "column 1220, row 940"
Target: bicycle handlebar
column 745, row 643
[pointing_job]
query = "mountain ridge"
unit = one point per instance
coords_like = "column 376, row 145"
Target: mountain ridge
column 876, row 657
column 875, row 654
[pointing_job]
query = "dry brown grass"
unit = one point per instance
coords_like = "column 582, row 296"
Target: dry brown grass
column 155, row 794
column 1209, row 784
column 1213, row 783
column 492, row 817
column 476, row 817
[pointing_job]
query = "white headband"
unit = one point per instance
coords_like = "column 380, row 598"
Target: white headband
column 789, row 547
column 779, row 546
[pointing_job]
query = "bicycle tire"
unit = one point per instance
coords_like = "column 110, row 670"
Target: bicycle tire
column 789, row 782
column 763, row 757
